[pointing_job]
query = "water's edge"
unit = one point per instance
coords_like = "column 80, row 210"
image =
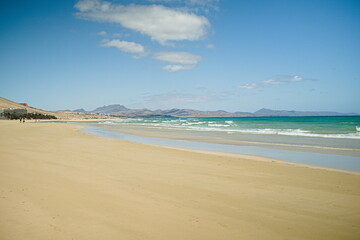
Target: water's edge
column 315, row 159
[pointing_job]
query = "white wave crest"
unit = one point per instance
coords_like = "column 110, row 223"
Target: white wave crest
column 218, row 125
column 193, row 123
column 228, row 127
column 284, row 132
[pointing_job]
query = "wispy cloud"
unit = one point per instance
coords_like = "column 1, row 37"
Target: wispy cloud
column 278, row 80
column 175, row 68
column 210, row 46
column 197, row 6
column 178, row 57
column 200, row 3
column 248, row 86
column 125, row 46
column 102, row 33
column 160, row 23
column 283, row 79
column 179, row 60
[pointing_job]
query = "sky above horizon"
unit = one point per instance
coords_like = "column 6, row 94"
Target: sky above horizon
column 201, row 54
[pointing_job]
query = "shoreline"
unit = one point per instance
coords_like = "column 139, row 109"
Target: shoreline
column 333, row 146
column 215, row 138
column 323, row 161
column 253, row 156
column 60, row 183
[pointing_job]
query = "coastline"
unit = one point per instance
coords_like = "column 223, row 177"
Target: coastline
column 308, row 159
column 58, row 182
column 231, row 131
column 213, row 138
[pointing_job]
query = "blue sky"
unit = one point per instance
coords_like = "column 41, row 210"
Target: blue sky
column 202, row 54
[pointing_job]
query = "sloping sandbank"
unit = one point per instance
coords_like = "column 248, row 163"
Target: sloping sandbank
column 59, row 183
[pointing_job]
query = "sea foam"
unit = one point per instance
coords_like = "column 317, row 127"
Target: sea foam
column 339, row 128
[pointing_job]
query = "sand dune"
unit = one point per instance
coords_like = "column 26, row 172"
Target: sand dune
column 59, row 183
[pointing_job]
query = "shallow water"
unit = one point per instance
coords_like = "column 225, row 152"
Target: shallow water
column 315, row 159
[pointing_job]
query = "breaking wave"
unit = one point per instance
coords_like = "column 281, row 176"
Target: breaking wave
column 242, row 127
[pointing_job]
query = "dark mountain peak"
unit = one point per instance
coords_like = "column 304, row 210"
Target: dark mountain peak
column 110, row 108
column 264, row 111
column 81, row 110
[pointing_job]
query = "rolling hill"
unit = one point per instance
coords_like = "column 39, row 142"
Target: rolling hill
column 66, row 115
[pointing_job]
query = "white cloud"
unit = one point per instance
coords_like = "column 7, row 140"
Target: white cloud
column 272, row 82
column 248, row 86
column 195, row 5
column 102, row 33
column 280, row 79
column 160, row 23
column 86, row 5
column 125, row 46
column 283, row 79
column 181, row 60
column 177, row 57
column 296, row 79
column 175, row 68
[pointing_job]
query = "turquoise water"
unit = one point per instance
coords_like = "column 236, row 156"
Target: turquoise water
column 316, row 127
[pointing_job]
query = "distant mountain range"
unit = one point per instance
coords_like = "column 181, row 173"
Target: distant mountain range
column 118, row 110
column 122, row 111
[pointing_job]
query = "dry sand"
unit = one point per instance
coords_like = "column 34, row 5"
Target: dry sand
column 59, row 183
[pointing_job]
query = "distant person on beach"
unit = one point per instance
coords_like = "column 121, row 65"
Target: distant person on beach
column 23, row 120
column 20, row 120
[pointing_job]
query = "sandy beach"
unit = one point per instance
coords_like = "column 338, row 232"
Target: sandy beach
column 59, row 183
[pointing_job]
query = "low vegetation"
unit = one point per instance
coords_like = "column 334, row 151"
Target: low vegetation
column 29, row 116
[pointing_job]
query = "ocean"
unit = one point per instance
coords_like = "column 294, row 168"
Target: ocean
column 321, row 127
